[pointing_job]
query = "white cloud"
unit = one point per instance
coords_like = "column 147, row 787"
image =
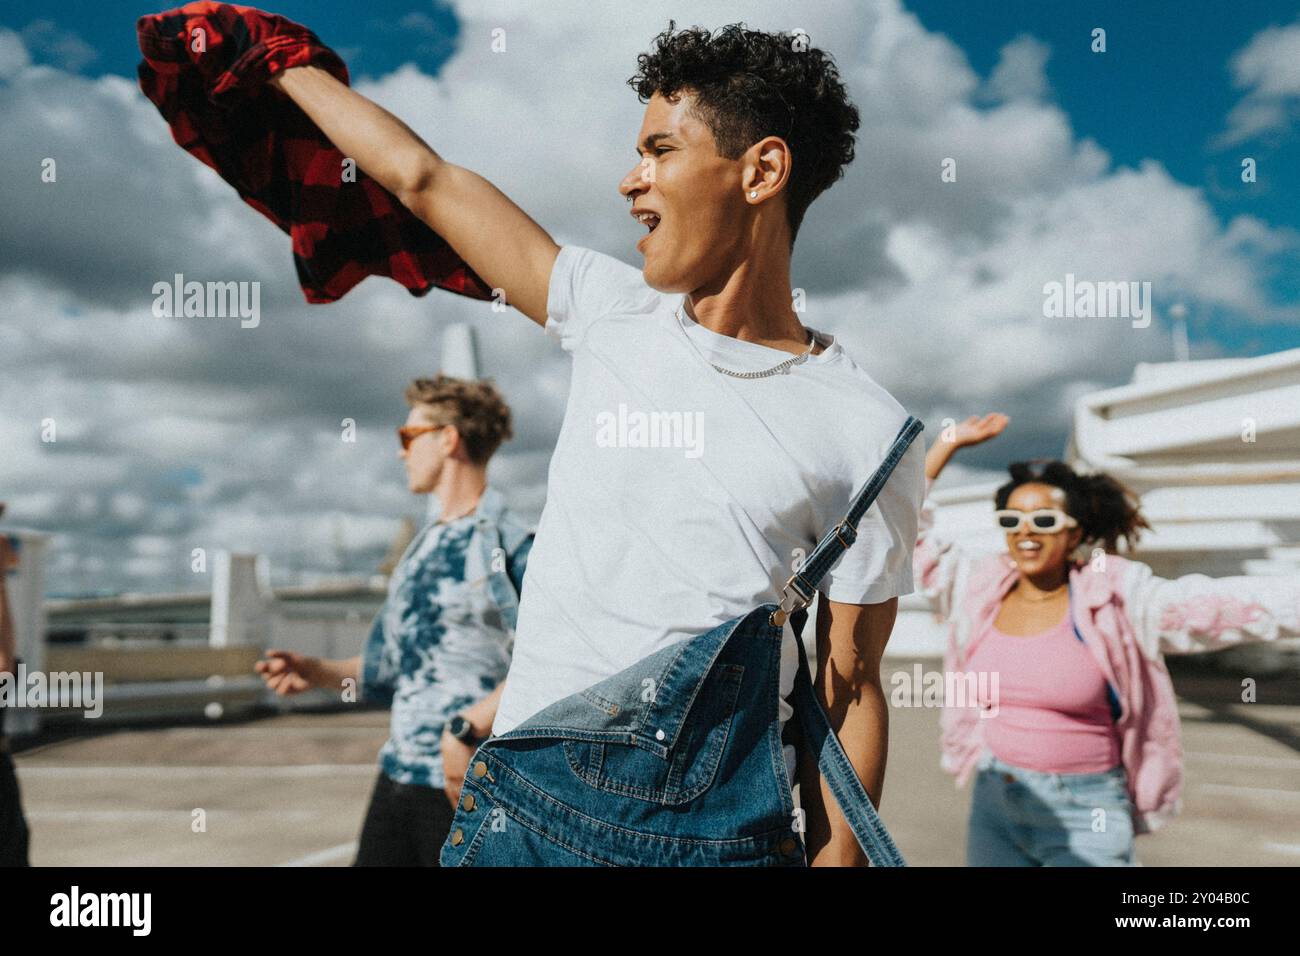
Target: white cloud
column 1020, row 72
column 64, row 47
column 13, row 54
column 1268, row 70
column 202, row 434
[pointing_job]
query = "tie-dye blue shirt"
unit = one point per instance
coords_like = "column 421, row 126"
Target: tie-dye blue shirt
column 441, row 642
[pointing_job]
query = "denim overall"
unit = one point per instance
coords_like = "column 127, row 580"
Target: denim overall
column 676, row 760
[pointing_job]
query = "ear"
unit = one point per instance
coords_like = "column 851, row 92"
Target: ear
column 768, row 167
column 452, row 444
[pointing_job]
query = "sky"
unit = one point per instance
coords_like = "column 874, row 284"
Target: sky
column 172, row 434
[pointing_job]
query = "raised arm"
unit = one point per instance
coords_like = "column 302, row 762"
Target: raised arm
column 938, row 565
column 496, row 238
column 973, row 431
column 1196, row 612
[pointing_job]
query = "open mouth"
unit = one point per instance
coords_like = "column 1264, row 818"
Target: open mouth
column 649, row 220
column 1029, row 548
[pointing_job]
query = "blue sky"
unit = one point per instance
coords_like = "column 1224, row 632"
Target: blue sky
column 1161, row 90
column 374, row 34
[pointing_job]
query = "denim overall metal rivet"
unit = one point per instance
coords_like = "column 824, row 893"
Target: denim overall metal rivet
column 480, row 770
column 468, row 803
column 660, row 735
column 1008, row 778
column 789, row 846
column 457, row 837
column 613, row 710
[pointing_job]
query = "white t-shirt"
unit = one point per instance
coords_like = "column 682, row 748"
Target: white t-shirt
column 658, row 527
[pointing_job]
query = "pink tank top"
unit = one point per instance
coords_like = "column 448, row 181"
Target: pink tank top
column 1048, row 709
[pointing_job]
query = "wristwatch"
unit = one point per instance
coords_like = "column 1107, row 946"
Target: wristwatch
column 462, row 730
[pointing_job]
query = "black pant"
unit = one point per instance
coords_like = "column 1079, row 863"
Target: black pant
column 406, row 825
column 13, row 827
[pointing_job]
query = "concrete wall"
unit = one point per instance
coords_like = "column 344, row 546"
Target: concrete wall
column 162, row 670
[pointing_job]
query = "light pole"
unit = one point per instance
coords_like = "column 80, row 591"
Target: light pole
column 1182, row 348
column 459, row 360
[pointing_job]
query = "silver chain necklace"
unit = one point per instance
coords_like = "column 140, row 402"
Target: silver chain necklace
column 774, row 370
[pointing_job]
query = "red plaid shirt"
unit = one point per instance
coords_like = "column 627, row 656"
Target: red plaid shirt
column 220, row 110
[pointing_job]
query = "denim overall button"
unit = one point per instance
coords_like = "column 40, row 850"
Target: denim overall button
column 457, row 837
column 660, row 735
column 480, row 770
column 468, row 803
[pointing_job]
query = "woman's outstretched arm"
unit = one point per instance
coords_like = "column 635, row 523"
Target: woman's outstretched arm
column 1195, row 612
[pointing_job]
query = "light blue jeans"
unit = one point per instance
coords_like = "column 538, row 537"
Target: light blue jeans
column 1023, row 817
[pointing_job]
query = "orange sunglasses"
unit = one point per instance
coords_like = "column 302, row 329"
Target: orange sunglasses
column 409, row 433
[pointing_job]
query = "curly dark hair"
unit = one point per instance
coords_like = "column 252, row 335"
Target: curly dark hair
column 477, row 410
column 746, row 85
column 1105, row 509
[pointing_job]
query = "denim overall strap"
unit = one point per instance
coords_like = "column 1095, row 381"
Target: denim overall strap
column 839, row 538
column 832, row 761
column 839, row 774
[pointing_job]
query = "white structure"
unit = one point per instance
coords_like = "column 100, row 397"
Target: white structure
column 459, row 351
column 459, row 360
column 25, row 588
column 1213, row 448
column 242, row 600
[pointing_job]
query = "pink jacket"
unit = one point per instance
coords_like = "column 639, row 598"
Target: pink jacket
column 1129, row 619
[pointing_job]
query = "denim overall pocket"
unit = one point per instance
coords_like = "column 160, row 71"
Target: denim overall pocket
column 647, row 771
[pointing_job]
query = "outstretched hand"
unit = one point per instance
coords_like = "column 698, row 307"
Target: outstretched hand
column 972, row 431
column 975, row 430
column 288, row 673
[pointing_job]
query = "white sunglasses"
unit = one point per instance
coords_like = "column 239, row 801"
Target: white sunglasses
column 1042, row 520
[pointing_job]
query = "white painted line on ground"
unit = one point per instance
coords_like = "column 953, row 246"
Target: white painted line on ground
column 128, row 772
column 379, row 730
column 1291, row 848
column 321, row 857
column 182, row 817
column 1247, row 759
column 1247, row 791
